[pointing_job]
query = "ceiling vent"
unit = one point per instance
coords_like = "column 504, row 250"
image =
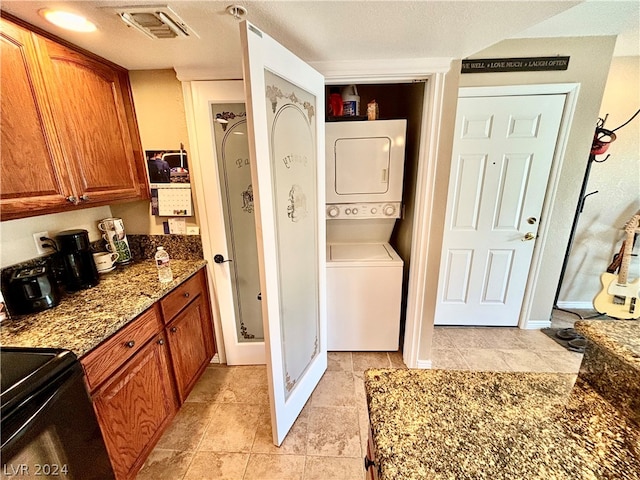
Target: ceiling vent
column 156, row 22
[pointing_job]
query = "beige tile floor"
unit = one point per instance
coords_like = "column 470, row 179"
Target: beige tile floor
column 223, row 430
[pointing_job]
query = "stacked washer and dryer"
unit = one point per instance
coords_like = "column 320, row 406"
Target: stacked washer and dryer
column 365, row 168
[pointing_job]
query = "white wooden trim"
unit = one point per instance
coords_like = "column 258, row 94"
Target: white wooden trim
column 570, row 90
column 537, row 324
column 399, row 70
column 424, row 364
column 513, row 90
column 421, row 235
column 576, row 305
column 197, row 182
column 432, row 71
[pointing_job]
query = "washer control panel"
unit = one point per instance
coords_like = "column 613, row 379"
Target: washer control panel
column 364, row 210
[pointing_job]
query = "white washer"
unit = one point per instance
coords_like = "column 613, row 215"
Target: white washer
column 364, row 293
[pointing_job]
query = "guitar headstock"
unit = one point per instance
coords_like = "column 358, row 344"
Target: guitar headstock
column 632, row 225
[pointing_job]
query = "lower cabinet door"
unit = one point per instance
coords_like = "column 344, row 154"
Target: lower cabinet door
column 191, row 345
column 135, row 406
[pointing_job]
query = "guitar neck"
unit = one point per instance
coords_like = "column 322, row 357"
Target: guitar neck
column 623, row 273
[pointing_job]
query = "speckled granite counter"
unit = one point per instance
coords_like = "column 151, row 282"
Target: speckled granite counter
column 437, row 424
column 84, row 319
column 611, row 362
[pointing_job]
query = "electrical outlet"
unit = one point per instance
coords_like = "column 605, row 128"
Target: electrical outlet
column 40, row 247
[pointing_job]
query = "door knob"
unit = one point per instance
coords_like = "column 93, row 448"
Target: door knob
column 528, row 236
column 220, row 258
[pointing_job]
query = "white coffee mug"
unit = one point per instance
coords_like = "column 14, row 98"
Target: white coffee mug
column 115, row 238
column 104, row 260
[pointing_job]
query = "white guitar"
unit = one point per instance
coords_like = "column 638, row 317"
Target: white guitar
column 618, row 297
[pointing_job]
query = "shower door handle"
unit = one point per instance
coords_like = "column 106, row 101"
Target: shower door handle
column 220, row 259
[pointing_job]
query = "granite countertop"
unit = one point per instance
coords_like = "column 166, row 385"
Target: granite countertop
column 86, row 318
column 438, row 424
column 620, row 337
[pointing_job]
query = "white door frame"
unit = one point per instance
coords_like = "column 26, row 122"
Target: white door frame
column 570, row 90
column 434, row 71
column 402, row 71
column 203, row 162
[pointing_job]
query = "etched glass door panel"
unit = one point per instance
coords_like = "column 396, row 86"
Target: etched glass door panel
column 286, row 133
column 232, row 149
column 291, row 123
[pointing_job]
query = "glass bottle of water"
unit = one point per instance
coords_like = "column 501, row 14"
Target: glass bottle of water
column 164, row 268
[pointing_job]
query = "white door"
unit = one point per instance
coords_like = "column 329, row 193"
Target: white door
column 502, row 155
column 218, row 127
column 286, row 138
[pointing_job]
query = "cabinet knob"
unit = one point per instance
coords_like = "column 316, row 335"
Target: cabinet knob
column 161, row 342
column 72, row 199
column 368, row 463
column 84, row 198
column 173, row 329
column 130, row 343
column 186, row 294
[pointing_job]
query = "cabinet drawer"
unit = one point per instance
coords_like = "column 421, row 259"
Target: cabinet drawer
column 181, row 296
column 103, row 361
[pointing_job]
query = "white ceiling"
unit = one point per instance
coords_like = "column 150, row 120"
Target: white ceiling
column 338, row 30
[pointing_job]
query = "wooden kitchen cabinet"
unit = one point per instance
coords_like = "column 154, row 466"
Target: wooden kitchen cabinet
column 189, row 332
column 140, row 375
column 135, row 406
column 69, row 134
column 33, row 173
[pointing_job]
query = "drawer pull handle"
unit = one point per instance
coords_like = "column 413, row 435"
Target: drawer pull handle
column 368, row 463
column 186, row 294
column 161, row 342
column 173, row 329
column 130, row 343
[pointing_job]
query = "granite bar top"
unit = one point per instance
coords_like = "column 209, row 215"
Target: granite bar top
column 620, row 337
column 611, row 363
column 86, row 318
column 438, row 424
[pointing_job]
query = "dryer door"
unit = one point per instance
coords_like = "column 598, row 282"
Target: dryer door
column 362, row 165
column 365, row 161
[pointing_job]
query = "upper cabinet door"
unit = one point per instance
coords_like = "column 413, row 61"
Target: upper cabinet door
column 102, row 151
column 285, row 102
column 32, row 168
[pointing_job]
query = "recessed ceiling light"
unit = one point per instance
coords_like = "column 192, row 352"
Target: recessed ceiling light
column 68, row 21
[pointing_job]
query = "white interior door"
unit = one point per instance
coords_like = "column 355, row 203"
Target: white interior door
column 502, row 155
column 286, row 133
column 227, row 221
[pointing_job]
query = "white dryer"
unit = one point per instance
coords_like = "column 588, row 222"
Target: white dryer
column 365, row 167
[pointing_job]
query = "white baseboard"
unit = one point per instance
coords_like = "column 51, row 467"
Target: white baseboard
column 215, row 359
column 576, row 305
column 537, row 324
column 424, row 364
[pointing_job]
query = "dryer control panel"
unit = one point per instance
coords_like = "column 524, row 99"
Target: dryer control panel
column 364, row 210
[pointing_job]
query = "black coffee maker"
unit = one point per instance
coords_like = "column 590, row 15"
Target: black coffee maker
column 80, row 270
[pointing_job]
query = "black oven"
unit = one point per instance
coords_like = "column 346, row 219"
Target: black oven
column 48, row 425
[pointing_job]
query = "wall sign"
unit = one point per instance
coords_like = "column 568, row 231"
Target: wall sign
column 531, row 64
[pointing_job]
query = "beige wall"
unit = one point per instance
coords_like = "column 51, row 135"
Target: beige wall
column 157, row 97
column 617, row 181
column 16, row 236
column 589, row 66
